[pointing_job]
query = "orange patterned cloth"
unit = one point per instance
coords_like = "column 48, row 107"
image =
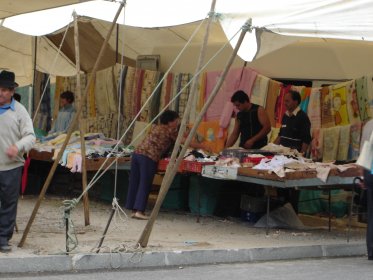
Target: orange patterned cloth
column 208, row 135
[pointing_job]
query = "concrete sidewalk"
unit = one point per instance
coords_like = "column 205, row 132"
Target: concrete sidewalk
column 148, row 259
column 177, row 240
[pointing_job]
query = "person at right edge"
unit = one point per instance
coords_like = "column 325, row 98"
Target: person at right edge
column 295, row 133
column 368, row 185
column 252, row 123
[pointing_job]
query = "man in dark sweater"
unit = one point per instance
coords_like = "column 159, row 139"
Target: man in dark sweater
column 295, row 126
column 294, row 133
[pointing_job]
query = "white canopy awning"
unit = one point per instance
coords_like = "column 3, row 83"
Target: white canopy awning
column 11, row 8
column 316, row 39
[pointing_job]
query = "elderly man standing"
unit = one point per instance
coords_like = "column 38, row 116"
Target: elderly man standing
column 16, row 137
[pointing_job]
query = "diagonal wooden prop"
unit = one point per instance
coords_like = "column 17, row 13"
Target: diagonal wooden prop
column 170, row 173
column 69, row 132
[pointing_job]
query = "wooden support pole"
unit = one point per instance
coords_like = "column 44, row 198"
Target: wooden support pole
column 69, row 132
column 83, row 99
column 170, row 173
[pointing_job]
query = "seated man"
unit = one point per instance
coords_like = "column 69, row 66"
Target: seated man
column 65, row 114
column 252, row 123
column 295, row 129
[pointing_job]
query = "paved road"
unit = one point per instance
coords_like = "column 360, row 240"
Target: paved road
column 341, row 268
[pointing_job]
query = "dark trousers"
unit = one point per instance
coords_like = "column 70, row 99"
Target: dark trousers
column 368, row 182
column 290, row 195
column 142, row 174
column 10, row 182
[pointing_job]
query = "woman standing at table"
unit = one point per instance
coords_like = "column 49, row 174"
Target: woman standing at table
column 144, row 162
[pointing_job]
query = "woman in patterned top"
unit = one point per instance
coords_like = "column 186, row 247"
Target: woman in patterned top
column 144, row 162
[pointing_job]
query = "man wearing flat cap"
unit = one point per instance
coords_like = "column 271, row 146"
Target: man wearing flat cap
column 16, row 137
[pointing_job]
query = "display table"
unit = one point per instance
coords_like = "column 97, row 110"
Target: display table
column 92, row 164
column 298, row 179
column 301, row 180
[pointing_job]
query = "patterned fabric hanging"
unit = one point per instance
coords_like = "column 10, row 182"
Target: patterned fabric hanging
column 355, row 135
column 106, row 91
column 330, row 143
column 327, row 118
column 236, row 79
column 363, row 97
column 352, row 103
column 339, row 104
column 344, row 142
column 274, row 88
column 317, row 144
column 260, row 90
column 150, row 80
column 280, row 108
column 166, row 91
column 314, row 109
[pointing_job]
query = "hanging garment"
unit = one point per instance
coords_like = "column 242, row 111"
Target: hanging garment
column 314, row 109
column 354, row 146
column 105, row 91
column 280, row 108
column 184, row 88
column 317, row 144
column 344, row 143
column 260, row 90
column 149, row 82
column 91, row 100
column 305, row 99
column 202, row 93
column 58, row 90
column 330, row 143
column 236, row 79
column 137, row 86
column 327, row 118
column 207, row 135
column 352, row 103
column 121, row 78
column 226, row 117
column 25, row 174
column 370, row 95
column 339, row 104
column 166, row 91
column 77, row 163
column 273, row 134
column 274, row 88
column 128, row 93
column 362, row 97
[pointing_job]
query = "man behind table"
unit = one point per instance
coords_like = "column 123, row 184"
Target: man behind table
column 295, row 125
column 252, row 123
column 294, row 133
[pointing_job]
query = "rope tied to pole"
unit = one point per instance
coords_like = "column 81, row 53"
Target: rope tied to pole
column 248, row 26
column 71, row 238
